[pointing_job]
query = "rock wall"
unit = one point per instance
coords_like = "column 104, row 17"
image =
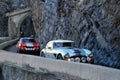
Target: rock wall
column 9, row 6
column 3, row 26
column 92, row 24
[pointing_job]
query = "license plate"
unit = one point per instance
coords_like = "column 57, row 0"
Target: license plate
column 30, row 49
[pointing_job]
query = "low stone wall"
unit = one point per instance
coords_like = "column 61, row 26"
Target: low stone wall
column 7, row 43
column 78, row 70
column 28, row 67
column 15, row 72
column 4, row 38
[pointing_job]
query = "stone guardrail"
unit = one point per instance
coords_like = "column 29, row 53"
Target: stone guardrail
column 4, row 38
column 7, row 43
column 84, row 71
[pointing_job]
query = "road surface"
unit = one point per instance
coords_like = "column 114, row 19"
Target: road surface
column 14, row 50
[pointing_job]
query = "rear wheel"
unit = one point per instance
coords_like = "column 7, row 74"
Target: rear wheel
column 60, row 57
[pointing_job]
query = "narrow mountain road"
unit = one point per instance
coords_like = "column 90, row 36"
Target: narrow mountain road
column 12, row 49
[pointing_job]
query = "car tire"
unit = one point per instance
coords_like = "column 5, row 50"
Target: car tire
column 59, row 56
column 42, row 54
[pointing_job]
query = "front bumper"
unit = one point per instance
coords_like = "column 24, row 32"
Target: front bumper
column 31, row 52
column 77, row 58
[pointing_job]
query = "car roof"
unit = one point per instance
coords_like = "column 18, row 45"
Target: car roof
column 60, row 40
column 26, row 38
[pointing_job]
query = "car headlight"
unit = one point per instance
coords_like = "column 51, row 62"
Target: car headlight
column 77, row 59
column 72, row 59
column 83, row 59
column 67, row 57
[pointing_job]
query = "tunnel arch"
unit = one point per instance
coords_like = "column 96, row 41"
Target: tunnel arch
column 15, row 21
column 23, row 20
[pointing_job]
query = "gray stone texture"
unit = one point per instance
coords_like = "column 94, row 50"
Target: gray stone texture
column 13, row 72
column 16, row 65
column 92, row 24
column 9, row 6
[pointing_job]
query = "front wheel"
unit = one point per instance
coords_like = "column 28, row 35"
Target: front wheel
column 60, row 57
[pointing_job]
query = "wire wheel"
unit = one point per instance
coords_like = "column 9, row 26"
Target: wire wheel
column 60, row 57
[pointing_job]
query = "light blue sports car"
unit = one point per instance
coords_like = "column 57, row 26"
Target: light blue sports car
column 63, row 49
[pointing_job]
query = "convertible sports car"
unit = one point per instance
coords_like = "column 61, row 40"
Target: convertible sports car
column 28, row 46
column 64, row 50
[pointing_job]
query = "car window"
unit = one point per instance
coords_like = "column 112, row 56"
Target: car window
column 62, row 44
column 57, row 44
column 27, row 40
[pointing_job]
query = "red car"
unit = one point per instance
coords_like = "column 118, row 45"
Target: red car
column 28, row 46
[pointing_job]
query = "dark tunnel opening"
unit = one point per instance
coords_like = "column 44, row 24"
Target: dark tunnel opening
column 27, row 27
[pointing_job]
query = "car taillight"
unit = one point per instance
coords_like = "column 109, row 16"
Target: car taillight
column 21, row 46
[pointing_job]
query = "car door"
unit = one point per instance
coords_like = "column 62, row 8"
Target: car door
column 49, row 48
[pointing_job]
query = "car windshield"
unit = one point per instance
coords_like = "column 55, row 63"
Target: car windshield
column 27, row 40
column 57, row 44
column 62, row 44
column 67, row 44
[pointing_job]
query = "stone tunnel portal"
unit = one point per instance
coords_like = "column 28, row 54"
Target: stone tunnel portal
column 27, row 27
column 20, row 21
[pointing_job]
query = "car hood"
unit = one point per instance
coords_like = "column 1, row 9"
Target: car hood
column 71, row 51
column 85, row 52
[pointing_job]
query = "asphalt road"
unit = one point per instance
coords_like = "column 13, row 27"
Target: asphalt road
column 14, row 50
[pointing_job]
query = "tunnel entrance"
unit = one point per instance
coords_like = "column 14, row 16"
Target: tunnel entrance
column 27, row 27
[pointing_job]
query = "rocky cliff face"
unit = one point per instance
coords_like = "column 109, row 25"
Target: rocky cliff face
column 92, row 24
column 9, row 6
column 3, row 18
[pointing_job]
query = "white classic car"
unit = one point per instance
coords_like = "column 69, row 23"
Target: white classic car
column 63, row 49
